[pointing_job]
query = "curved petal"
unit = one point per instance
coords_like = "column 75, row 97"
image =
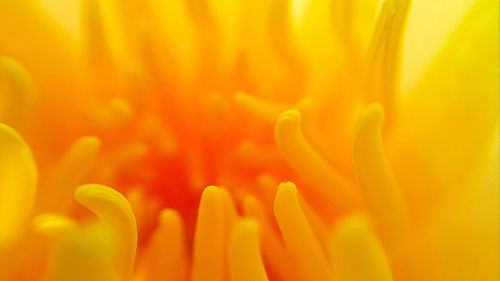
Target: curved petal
column 448, row 122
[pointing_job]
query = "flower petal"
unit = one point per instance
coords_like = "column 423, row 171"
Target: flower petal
column 299, row 238
column 115, row 213
column 245, row 261
column 380, row 190
column 357, row 254
column 18, row 181
column 448, row 122
column 208, row 255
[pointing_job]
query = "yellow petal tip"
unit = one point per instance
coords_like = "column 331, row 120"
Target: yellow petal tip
column 289, row 119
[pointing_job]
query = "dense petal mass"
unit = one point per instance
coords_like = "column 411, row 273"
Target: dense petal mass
column 195, row 111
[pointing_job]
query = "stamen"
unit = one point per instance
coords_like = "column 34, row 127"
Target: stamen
column 115, row 213
column 67, row 174
column 245, row 261
column 18, row 182
column 309, row 164
column 299, row 238
column 382, row 195
column 356, row 253
column 209, row 250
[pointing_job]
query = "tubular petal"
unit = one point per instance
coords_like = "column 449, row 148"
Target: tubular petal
column 227, row 17
column 331, row 150
column 35, row 33
column 258, row 48
column 452, row 115
column 17, row 91
column 356, row 254
column 299, row 238
column 84, row 255
column 380, row 190
column 252, row 207
column 180, row 35
column 245, row 261
column 273, row 249
column 312, row 29
column 267, row 185
column 93, row 30
column 209, row 237
column 230, row 219
column 18, row 181
column 259, row 108
column 307, row 163
column 168, row 257
column 319, row 226
column 353, row 18
column 384, row 54
column 115, row 212
column 67, row 174
column 115, row 114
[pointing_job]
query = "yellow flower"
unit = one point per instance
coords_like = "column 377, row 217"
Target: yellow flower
column 195, row 111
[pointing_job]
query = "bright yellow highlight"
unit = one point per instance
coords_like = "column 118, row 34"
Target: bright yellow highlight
column 18, row 182
column 356, row 253
column 115, row 213
column 52, row 224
